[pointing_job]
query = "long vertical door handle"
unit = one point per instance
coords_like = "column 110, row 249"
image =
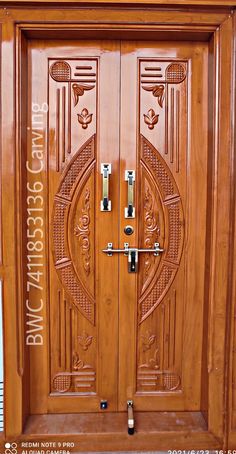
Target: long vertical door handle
column 130, row 178
column 105, row 202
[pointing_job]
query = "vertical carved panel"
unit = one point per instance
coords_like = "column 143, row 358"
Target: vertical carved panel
column 151, row 229
column 170, row 201
column 72, row 153
column 82, row 231
column 158, row 369
column 163, row 106
column 64, row 263
column 162, row 160
column 72, row 102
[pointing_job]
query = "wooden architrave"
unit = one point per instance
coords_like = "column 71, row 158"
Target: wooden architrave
column 213, row 22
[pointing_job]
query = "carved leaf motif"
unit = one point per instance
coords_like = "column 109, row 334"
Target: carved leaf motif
column 78, row 90
column 82, row 231
column 151, row 119
column 148, row 340
column 157, row 91
column 85, row 118
column 152, row 363
column 78, row 363
column 85, row 340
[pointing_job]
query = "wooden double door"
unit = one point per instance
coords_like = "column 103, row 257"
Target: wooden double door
column 117, row 144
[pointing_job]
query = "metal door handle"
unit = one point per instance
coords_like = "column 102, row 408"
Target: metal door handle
column 130, row 177
column 132, row 254
column 105, row 202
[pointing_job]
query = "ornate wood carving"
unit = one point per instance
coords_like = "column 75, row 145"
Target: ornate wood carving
column 82, row 381
column 84, row 118
column 78, row 363
column 85, row 340
column 151, row 119
column 68, row 81
column 62, row 202
column 175, row 73
column 152, row 300
column 78, row 164
column 82, row 231
column 151, row 230
column 174, row 247
column 81, row 378
column 157, row 91
column 172, row 207
column 60, row 71
column 158, row 369
column 165, row 80
column 151, row 378
column 157, row 165
column 78, row 91
column 147, row 340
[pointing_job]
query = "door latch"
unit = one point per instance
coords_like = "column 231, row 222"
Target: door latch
column 130, row 408
column 133, row 260
column 105, row 202
column 132, row 254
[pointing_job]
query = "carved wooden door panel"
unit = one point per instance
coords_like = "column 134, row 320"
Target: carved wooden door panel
column 70, row 370
column 109, row 334
column 164, row 138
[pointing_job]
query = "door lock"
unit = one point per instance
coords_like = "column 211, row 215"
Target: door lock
column 133, row 261
column 128, row 230
column 132, row 254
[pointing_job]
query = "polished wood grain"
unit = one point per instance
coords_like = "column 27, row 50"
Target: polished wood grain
column 161, row 327
column 82, row 334
column 211, row 397
column 139, row 2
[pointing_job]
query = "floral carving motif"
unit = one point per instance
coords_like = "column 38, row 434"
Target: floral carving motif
column 152, row 231
column 85, row 340
column 84, row 118
column 78, row 363
column 152, row 363
column 147, row 340
column 151, row 119
column 82, row 231
column 157, row 91
column 78, row 90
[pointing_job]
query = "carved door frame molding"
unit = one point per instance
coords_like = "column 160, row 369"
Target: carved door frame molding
column 214, row 25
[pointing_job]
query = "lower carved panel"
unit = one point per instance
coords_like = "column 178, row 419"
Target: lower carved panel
column 159, row 344
column 76, row 382
column 73, row 354
column 152, row 380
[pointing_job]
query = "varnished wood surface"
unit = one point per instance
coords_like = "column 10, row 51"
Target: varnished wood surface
column 219, row 232
column 139, row 2
column 101, row 423
column 79, row 283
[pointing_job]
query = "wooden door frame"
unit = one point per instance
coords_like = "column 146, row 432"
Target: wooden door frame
column 213, row 24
